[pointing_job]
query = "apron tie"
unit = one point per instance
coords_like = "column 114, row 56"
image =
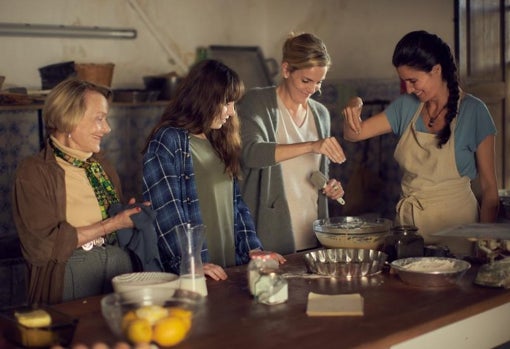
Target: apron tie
column 405, row 208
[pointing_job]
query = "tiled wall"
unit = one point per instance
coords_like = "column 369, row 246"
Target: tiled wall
column 19, row 137
column 370, row 176
column 130, row 127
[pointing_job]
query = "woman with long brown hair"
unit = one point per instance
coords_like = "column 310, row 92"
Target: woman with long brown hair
column 191, row 166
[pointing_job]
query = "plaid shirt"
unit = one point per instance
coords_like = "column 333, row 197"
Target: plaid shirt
column 169, row 184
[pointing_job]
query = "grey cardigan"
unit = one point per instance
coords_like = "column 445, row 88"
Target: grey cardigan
column 262, row 184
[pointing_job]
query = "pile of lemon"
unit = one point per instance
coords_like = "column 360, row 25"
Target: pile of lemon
column 153, row 323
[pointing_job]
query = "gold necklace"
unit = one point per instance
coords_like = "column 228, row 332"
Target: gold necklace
column 432, row 120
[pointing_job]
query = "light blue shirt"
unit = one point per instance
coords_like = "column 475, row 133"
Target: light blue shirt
column 474, row 124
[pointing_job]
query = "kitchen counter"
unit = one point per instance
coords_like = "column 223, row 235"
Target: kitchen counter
column 394, row 313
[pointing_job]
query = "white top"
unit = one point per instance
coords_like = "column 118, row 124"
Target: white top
column 301, row 194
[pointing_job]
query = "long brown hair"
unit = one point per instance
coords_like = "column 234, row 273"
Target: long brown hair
column 198, row 100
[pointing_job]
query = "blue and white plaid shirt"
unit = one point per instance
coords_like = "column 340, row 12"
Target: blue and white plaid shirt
column 169, row 184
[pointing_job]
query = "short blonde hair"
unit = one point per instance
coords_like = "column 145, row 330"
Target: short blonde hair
column 65, row 104
column 305, row 51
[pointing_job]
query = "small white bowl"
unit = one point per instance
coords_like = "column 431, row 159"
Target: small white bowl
column 134, row 281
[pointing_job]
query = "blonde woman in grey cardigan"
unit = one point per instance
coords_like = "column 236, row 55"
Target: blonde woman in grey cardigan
column 285, row 137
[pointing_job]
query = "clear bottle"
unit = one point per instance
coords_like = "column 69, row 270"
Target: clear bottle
column 403, row 242
column 258, row 263
column 191, row 239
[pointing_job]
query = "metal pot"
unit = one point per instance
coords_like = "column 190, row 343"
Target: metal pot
column 134, row 95
column 166, row 84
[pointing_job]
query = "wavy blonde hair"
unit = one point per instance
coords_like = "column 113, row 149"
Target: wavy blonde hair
column 65, row 105
column 305, row 51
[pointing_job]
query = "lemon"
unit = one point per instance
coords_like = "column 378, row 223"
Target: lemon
column 181, row 312
column 170, row 331
column 184, row 314
column 139, row 331
column 152, row 313
column 127, row 318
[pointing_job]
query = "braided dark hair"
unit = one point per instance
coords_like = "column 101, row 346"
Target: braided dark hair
column 422, row 51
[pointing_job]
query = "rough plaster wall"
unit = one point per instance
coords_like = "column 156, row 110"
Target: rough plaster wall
column 360, row 34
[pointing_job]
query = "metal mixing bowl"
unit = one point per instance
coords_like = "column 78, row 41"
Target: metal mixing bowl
column 352, row 232
column 345, row 262
column 430, row 272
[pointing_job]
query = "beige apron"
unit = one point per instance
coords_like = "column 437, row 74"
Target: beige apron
column 434, row 195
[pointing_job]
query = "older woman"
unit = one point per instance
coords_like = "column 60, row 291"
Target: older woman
column 61, row 199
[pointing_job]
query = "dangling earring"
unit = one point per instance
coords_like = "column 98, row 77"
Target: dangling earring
column 68, row 135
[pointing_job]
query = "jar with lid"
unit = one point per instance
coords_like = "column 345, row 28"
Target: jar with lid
column 258, row 262
column 271, row 287
column 403, row 242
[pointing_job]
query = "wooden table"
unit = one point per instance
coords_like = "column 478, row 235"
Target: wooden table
column 393, row 312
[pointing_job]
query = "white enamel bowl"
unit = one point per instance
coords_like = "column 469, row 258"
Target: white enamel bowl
column 134, row 281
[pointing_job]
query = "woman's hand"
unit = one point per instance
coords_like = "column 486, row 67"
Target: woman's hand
column 109, row 225
column 215, row 272
column 273, row 255
column 352, row 116
column 333, row 189
column 123, row 219
column 331, row 148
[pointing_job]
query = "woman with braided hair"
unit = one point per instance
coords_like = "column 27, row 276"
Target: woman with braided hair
column 446, row 140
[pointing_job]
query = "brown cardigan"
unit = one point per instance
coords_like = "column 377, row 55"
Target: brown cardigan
column 39, row 212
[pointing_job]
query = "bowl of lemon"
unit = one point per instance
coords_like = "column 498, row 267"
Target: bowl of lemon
column 159, row 316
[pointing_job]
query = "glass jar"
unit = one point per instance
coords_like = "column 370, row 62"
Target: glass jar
column 257, row 263
column 271, row 287
column 403, row 242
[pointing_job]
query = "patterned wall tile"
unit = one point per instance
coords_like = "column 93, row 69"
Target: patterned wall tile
column 370, row 176
column 19, row 130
